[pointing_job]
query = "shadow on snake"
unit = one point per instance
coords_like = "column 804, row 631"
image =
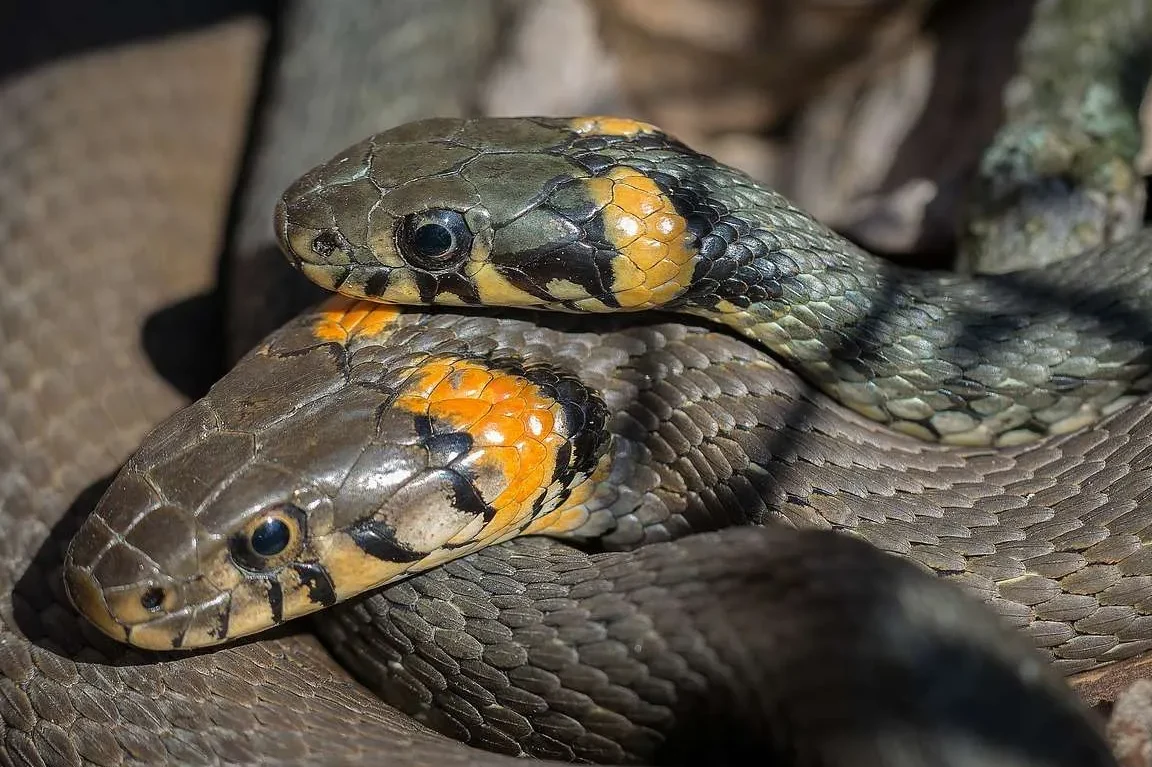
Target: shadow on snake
column 181, row 326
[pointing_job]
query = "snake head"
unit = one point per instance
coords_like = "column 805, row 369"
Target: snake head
column 352, row 448
column 576, row 214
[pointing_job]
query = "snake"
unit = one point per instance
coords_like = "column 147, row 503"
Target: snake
column 363, row 444
column 71, row 698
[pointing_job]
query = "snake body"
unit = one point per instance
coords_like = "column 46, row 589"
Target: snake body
column 72, row 698
column 533, row 646
column 613, row 215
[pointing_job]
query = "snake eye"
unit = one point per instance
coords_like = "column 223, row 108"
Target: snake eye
column 434, row 240
column 269, row 539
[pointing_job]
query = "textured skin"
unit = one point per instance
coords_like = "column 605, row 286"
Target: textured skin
column 675, row 655
column 342, row 74
column 535, row 647
column 1060, row 178
column 72, row 697
column 569, row 215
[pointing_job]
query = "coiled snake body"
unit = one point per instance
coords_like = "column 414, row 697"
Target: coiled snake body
column 364, row 442
column 71, row 699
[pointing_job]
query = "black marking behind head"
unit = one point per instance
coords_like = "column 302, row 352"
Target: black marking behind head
column 445, row 448
column 465, row 496
column 585, row 419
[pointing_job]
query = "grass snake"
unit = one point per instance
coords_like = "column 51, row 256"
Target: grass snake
column 72, row 698
column 363, row 443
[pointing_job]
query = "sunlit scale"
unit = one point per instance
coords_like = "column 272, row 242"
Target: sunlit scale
column 513, row 424
column 654, row 263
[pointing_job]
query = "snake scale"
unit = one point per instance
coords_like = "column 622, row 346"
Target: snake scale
column 279, row 699
column 73, row 358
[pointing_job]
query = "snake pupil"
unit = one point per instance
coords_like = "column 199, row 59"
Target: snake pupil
column 270, row 537
column 432, row 240
column 151, row 599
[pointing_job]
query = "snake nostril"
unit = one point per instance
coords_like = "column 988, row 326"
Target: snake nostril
column 152, row 599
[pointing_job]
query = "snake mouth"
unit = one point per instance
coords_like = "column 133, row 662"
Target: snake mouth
column 155, row 613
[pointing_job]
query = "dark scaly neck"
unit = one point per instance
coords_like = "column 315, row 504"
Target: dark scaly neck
column 970, row 361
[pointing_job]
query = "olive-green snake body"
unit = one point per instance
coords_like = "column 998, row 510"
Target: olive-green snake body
column 618, row 217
